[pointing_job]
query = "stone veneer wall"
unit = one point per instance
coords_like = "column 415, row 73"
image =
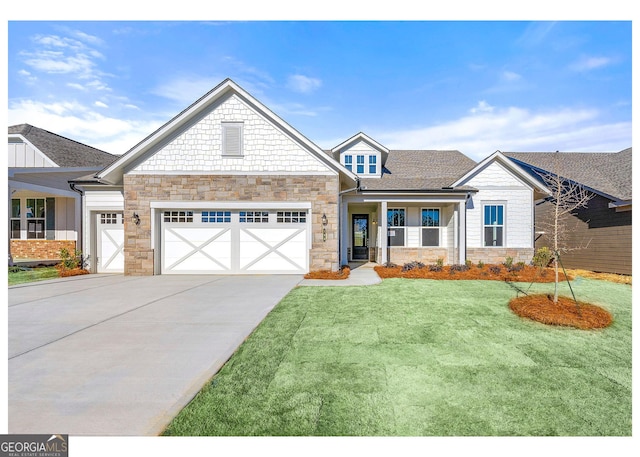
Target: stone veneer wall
column 428, row 256
column 140, row 190
column 30, row 250
column 497, row 255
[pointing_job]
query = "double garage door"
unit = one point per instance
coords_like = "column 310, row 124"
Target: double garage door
column 234, row 241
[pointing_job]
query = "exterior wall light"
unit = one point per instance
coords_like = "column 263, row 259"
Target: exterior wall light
column 324, row 220
column 136, row 218
column 324, row 227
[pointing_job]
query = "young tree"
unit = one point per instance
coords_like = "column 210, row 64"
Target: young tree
column 565, row 198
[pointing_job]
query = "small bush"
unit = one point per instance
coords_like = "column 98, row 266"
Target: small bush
column 70, row 261
column 542, row 257
column 390, row 265
column 508, row 262
column 458, row 268
column 495, row 269
column 412, row 266
column 480, row 264
column 468, row 263
column 435, row 267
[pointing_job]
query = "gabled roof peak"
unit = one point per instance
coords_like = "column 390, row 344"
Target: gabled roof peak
column 361, row 136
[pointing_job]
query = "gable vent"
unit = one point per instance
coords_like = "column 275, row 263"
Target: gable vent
column 232, row 139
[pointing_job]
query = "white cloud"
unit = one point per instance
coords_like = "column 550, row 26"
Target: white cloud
column 186, row 89
column 100, row 104
column 303, row 84
column 510, row 76
column 590, row 63
column 488, row 129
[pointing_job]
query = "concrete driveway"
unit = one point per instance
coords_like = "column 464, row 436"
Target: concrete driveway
column 122, row 355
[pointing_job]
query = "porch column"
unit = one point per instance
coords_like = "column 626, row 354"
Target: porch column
column 462, row 231
column 383, row 231
column 344, row 231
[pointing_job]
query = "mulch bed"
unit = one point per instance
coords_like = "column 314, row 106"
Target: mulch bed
column 487, row 272
column 565, row 312
column 65, row 272
column 343, row 273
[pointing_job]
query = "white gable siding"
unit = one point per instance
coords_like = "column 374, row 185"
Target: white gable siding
column 497, row 184
column 265, row 149
column 22, row 155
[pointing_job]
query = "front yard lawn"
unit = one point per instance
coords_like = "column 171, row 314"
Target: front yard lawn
column 421, row 358
column 32, row 274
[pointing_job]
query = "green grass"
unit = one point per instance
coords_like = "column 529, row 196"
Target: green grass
column 34, row 274
column 421, row 358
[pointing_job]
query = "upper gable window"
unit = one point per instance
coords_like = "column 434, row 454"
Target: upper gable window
column 232, row 139
column 373, row 169
column 348, row 162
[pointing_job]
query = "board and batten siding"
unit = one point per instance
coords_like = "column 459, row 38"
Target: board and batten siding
column 603, row 235
column 497, row 185
column 23, row 155
column 265, row 148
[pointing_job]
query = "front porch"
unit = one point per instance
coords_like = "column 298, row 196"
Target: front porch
column 403, row 229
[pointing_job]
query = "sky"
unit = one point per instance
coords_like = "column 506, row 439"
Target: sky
column 472, row 86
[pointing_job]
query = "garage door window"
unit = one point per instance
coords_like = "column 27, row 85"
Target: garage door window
column 178, row 216
column 216, row 217
column 291, row 217
column 254, row 216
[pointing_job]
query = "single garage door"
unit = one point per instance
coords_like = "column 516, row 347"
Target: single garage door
column 235, row 241
column 109, row 243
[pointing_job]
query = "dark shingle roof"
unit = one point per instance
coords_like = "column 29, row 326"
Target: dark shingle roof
column 605, row 172
column 63, row 151
column 420, row 170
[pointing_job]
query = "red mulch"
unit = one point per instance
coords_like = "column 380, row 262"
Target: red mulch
column 343, row 273
column 541, row 308
column 487, row 272
column 64, row 272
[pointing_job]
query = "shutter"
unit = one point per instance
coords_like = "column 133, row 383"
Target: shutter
column 50, row 218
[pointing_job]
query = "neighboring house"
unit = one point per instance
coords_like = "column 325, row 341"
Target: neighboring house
column 228, row 187
column 603, row 228
column 44, row 211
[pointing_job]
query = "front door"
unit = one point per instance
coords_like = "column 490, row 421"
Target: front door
column 360, row 240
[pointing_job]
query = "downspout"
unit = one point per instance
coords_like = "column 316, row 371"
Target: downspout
column 72, row 185
column 340, row 221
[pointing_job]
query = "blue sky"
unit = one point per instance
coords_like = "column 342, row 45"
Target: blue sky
column 474, row 86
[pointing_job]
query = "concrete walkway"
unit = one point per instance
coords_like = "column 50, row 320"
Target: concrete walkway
column 362, row 274
column 122, row 355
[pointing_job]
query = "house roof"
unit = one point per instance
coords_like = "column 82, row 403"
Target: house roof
column 64, row 152
column 420, row 170
column 604, row 172
column 114, row 172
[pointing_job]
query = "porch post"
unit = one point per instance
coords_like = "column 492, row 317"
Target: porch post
column 383, row 231
column 462, row 231
column 344, row 231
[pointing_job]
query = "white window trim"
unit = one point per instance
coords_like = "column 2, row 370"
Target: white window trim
column 439, row 227
column 389, row 227
column 226, row 128
column 504, row 223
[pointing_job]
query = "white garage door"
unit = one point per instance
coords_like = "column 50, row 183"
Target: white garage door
column 235, row 242
column 110, row 243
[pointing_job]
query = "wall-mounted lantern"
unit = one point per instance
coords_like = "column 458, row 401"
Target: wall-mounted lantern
column 136, row 219
column 324, row 227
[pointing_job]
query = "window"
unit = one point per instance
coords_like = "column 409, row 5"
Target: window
column 178, row 216
column 216, row 217
column 396, row 226
column 348, row 162
column 232, row 139
column 254, row 216
column 372, row 165
column 15, row 218
column 360, row 164
column 291, row 217
column 36, row 216
column 493, row 225
column 109, row 218
column 430, row 227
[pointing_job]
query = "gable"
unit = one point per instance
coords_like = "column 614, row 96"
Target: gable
column 494, row 175
column 22, row 154
column 199, row 148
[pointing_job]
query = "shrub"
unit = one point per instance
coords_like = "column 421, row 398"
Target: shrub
column 390, row 265
column 508, row 262
column 495, row 269
column 70, row 261
column 435, row 267
column 480, row 264
column 542, row 257
column 459, row 268
column 440, row 262
column 468, row 263
column 412, row 266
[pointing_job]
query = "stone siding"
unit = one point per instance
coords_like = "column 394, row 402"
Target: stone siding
column 497, row 255
column 140, row 190
column 31, row 250
column 428, row 256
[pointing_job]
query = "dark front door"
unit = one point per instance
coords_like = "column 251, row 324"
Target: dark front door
column 360, row 240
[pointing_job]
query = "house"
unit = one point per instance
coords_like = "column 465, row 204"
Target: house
column 44, row 210
column 602, row 230
column 228, row 187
